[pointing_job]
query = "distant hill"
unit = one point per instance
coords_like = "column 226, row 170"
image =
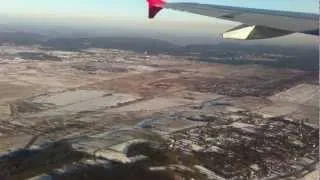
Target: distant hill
column 297, row 57
column 21, row 38
column 124, row 43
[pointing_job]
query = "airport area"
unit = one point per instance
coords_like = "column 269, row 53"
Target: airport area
column 116, row 114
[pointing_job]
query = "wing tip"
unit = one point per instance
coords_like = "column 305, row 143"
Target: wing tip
column 155, row 6
column 153, row 11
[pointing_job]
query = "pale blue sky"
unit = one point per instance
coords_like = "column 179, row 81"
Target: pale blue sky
column 134, row 8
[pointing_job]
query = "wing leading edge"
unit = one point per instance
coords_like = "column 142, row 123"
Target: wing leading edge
column 257, row 23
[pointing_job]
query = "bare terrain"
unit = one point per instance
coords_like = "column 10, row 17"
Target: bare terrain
column 115, row 114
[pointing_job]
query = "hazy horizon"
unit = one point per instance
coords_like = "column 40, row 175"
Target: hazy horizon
column 181, row 33
column 123, row 18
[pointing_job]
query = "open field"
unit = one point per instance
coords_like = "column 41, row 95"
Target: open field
column 101, row 102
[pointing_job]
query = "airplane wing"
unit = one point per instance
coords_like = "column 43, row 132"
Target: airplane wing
column 257, row 23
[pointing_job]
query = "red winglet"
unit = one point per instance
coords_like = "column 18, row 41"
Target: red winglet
column 155, row 6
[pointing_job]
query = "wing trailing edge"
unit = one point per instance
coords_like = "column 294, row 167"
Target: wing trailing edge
column 251, row 32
